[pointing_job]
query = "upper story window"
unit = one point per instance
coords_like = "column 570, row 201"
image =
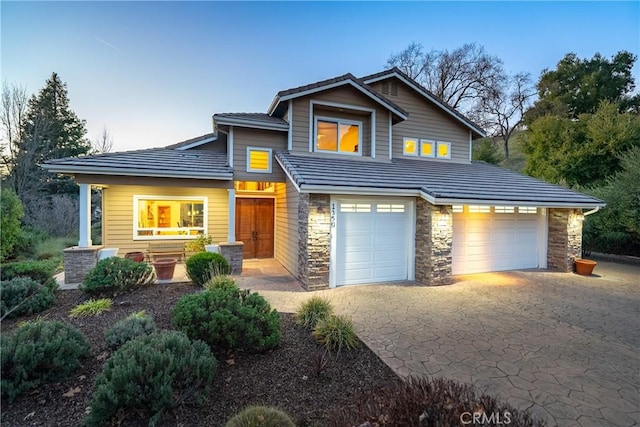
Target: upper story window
column 258, row 160
column 427, row 148
column 338, row 136
column 410, row 146
column 169, row 217
column 443, row 150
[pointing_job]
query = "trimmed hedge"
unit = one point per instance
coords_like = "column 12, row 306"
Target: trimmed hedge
column 152, row 373
column 40, row 271
column 39, row 352
column 202, row 266
column 115, row 275
column 228, row 318
column 28, row 295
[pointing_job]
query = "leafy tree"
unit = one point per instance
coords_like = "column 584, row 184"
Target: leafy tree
column 583, row 151
column 578, row 86
column 616, row 228
column 10, row 215
column 487, row 151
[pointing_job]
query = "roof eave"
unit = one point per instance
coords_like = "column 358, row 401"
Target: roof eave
column 88, row 170
column 196, row 143
column 250, row 124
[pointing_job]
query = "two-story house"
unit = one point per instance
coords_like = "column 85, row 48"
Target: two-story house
column 344, row 181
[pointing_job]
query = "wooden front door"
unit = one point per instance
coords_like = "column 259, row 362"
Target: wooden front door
column 254, row 227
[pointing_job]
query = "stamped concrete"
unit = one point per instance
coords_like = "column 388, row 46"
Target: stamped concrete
column 566, row 347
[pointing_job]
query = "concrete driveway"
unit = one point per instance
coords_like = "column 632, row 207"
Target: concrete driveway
column 564, row 346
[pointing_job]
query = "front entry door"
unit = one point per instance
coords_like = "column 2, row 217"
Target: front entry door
column 254, row 227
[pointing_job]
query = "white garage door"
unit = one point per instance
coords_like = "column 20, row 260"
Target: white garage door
column 372, row 241
column 494, row 238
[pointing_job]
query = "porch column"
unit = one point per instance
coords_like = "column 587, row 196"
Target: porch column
column 85, row 216
column 231, row 235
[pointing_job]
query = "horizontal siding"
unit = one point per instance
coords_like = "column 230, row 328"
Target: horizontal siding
column 427, row 121
column 219, row 145
column 118, row 213
column 287, row 226
column 243, row 138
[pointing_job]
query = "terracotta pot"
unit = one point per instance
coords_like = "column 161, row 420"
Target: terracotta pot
column 584, row 267
column 135, row 256
column 165, row 268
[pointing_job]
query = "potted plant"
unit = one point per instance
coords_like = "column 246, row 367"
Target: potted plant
column 584, row 267
column 135, row 256
column 165, row 268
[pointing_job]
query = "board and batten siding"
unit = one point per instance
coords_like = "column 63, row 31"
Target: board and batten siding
column 426, row 121
column 287, row 226
column 346, row 95
column 246, row 137
column 117, row 214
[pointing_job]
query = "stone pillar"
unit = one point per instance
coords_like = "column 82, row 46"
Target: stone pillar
column 232, row 251
column 78, row 261
column 434, row 240
column 85, row 216
column 564, row 238
column 314, row 231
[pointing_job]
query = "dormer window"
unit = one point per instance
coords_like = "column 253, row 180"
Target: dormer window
column 338, row 136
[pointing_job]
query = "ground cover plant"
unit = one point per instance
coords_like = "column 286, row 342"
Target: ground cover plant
column 92, row 307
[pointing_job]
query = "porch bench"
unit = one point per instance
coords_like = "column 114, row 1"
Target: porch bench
column 166, row 250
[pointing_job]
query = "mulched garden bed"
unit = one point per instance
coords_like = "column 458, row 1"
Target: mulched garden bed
column 285, row 377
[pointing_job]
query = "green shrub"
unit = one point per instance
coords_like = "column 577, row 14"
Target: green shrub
column 130, row 327
column 24, row 295
column 487, row 151
column 152, row 373
column 115, row 275
column 336, row 333
column 205, row 265
column 260, row 416
column 93, row 307
column 428, row 402
column 40, row 271
column 11, row 212
column 27, row 244
column 220, row 281
column 197, row 244
column 228, row 318
column 312, row 311
column 39, row 352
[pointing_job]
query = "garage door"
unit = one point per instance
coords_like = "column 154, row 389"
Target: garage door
column 372, row 241
column 494, row 238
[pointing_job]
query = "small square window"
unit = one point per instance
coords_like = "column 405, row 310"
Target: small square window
column 444, row 150
column 258, row 160
column 458, row 209
column 504, row 209
column 427, row 148
column 410, row 146
column 479, row 209
column 527, row 210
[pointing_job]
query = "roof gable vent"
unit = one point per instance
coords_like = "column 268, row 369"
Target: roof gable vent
column 389, row 88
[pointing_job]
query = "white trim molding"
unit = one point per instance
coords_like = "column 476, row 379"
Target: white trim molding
column 231, row 224
column 290, row 121
column 230, row 146
column 338, row 122
column 84, row 240
column 204, row 200
column 248, row 123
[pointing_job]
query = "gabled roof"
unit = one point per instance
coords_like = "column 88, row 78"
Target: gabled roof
column 193, row 142
column 346, row 79
column 438, row 182
column 252, row 120
column 395, row 72
column 153, row 162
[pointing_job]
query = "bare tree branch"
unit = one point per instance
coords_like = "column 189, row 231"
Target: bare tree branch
column 103, row 143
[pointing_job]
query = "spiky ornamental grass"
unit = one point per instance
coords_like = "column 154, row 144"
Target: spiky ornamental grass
column 93, row 307
column 336, row 333
column 312, row 311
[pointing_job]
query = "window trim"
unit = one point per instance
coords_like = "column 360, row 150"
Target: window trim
column 269, row 152
column 438, row 144
column 404, row 152
column 188, row 236
column 433, row 151
column 338, row 122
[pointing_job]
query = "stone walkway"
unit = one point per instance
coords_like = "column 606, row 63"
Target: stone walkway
column 564, row 346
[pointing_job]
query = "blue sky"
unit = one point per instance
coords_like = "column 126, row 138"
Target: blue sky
column 154, row 73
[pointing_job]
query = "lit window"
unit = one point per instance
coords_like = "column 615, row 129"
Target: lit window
column 444, row 150
column 390, row 208
column 427, row 148
column 169, row 217
column 458, row 208
column 410, row 146
column 258, row 160
column 254, row 186
column 479, row 209
column 341, row 136
column 355, row 207
column 527, row 210
column 504, row 209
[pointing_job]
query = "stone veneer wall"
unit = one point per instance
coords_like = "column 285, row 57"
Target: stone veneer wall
column 78, row 261
column 565, row 238
column 434, row 240
column 314, row 232
column 233, row 254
